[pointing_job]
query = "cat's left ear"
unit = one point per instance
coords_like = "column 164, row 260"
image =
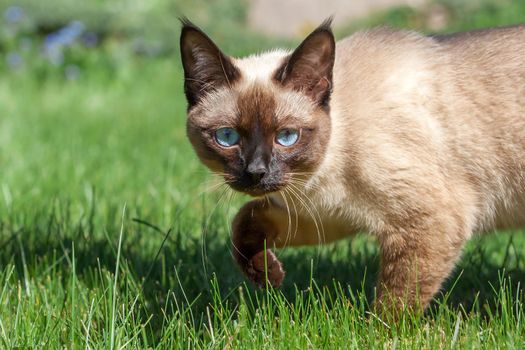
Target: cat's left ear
column 309, row 68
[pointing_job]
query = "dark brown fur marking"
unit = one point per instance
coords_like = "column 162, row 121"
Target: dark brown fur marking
column 205, row 66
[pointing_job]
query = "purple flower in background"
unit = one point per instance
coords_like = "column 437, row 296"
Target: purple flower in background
column 72, row 31
column 90, row 39
column 55, row 42
column 14, row 60
column 14, row 14
column 51, row 41
column 66, row 35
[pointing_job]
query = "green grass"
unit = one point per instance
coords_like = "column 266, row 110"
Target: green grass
column 108, row 238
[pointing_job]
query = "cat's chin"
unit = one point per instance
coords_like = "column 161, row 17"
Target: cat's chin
column 259, row 193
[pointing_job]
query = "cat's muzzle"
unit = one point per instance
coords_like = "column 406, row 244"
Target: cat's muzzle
column 257, row 184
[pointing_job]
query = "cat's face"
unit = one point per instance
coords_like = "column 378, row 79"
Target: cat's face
column 261, row 121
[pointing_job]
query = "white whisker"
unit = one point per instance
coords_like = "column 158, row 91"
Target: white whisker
column 314, row 207
column 289, row 229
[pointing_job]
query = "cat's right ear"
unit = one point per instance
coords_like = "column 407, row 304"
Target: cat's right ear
column 309, row 68
column 205, row 66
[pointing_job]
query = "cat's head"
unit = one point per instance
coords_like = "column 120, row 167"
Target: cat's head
column 263, row 120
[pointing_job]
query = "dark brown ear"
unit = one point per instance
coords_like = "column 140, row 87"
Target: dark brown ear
column 309, row 67
column 205, row 66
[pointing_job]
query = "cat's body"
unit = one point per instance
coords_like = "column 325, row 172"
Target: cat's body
column 422, row 144
column 409, row 113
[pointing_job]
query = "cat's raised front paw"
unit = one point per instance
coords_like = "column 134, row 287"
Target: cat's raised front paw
column 256, row 272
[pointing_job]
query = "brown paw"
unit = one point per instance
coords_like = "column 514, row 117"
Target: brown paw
column 255, row 269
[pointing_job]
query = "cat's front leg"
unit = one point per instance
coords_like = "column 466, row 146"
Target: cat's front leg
column 255, row 228
column 415, row 260
column 265, row 223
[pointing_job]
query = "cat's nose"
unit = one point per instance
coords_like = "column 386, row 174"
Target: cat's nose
column 256, row 171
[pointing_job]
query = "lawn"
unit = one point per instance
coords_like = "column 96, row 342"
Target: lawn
column 113, row 235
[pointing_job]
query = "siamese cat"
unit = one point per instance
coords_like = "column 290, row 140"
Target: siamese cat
column 416, row 140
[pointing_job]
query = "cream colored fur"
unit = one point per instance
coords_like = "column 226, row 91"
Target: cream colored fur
column 427, row 148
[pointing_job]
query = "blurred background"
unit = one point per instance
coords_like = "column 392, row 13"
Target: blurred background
column 67, row 33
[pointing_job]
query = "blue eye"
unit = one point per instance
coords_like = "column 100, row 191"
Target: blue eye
column 287, row 137
column 227, row 137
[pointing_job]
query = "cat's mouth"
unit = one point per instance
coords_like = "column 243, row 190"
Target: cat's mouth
column 256, row 190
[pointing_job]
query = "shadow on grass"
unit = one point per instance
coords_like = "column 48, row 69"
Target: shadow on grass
column 174, row 266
